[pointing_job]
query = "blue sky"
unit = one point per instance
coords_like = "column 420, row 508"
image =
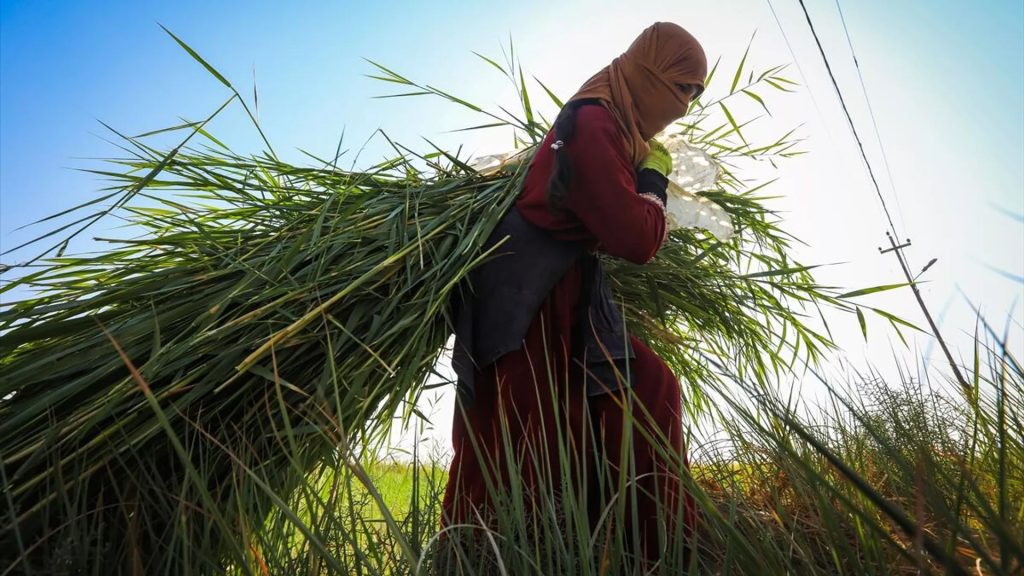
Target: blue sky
column 942, row 67
column 945, row 79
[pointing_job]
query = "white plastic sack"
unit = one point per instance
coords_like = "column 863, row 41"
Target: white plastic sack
column 694, row 171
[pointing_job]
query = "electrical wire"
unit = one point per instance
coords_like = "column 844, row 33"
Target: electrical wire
column 849, row 119
column 871, row 112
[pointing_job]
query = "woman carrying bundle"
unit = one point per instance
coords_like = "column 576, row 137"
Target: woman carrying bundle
column 550, row 383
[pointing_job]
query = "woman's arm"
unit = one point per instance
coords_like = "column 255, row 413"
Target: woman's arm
column 603, row 190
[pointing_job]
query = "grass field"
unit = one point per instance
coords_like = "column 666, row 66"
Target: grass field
column 892, row 481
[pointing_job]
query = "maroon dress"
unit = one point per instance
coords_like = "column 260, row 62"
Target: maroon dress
column 514, row 392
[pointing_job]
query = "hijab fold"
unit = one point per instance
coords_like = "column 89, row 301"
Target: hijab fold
column 641, row 87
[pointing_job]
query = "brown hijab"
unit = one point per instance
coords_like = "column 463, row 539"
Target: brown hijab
column 641, row 87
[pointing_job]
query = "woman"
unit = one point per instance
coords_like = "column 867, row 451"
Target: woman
column 595, row 184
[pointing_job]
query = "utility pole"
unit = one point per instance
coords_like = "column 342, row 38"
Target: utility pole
column 912, row 280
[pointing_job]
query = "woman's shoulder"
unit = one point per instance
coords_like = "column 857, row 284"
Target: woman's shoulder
column 594, row 115
column 595, row 126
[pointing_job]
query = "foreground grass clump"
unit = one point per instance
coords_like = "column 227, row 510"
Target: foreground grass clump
column 889, row 480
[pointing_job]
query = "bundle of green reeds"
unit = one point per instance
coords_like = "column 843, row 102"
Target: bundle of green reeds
column 159, row 396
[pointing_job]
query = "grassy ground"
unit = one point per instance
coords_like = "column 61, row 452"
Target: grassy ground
column 891, row 481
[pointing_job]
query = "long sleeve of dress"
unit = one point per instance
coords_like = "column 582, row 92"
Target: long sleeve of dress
column 603, row 193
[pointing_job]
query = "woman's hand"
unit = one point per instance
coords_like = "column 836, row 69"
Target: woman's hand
column 652, row 178
column 658, row 158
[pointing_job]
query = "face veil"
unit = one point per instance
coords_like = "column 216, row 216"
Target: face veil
column 642, row 87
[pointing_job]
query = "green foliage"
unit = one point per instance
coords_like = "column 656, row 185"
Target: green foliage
column 195, row 399
column 887, row 479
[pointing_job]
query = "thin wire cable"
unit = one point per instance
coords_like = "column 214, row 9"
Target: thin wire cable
column 871, row 112
column 849, row 119
column 799, row 69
